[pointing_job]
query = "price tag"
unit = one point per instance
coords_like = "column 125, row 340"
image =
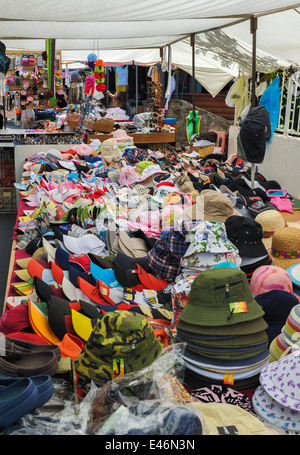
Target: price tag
column 238, row 307
column 118, row 368
column 228, row 379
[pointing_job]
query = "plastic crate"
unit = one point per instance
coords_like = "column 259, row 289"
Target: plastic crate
column 8, row 200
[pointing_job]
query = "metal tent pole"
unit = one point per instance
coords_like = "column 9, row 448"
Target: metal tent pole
column 193, row 80
column 253, row 28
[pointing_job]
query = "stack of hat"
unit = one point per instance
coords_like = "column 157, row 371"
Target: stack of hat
column 285, row 250
column 246, row 234
column 276, row 400
column 208, row 246
column 224, row 331
column 289, row 336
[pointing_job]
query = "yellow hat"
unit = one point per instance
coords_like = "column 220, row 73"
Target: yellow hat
column 285, row 249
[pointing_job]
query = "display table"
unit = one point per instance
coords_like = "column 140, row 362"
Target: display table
column 139, row 138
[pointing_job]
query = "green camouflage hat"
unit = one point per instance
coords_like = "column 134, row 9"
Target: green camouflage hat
column 121, row 342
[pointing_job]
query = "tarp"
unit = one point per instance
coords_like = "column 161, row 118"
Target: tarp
column 128, row 31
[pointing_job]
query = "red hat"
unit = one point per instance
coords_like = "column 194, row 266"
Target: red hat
column 150, row 281
column 15, row 319
column 92, row 292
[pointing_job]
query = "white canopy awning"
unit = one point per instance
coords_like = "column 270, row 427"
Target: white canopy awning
column 125, row 31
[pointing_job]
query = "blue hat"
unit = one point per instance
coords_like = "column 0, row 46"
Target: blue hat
column 107, row 276
column 277, row 305
column 228, row 264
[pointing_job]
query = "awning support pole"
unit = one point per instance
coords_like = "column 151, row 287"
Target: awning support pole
column 193, row 80
column 253, row 28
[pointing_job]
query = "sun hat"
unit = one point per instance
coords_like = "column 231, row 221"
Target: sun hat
column 110, row 150
column 269, row 410
column 280, row 380
column 285, row 249
column 271, row 221
column 246, row 234
column 119, row 339
column 270, row 277
column 210, row 206
column 162, row 190
column 276, row 305
column 220, row 297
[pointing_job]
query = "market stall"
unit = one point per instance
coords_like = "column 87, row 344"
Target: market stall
column 152, row 290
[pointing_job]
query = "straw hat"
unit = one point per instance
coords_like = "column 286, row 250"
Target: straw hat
column 271, row 221
column 285, row 249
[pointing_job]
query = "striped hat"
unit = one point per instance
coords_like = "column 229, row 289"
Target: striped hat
column 291, row 330
column 277, row 348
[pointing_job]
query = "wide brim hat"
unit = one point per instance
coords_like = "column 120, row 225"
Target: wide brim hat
column 212, row 297
column 271, row 221
column 210, row 206
column 280, row 378
column 132, row 246
column 285, row 250
column 291, row 329
column 281, row 416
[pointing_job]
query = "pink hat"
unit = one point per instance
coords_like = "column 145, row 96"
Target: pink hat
column 128, row 176
column 269, row 277
column 121, row 135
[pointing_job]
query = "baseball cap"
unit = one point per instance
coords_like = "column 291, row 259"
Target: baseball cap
column 85, row 244
column 63, row 259
column 150, row 281
column 246, row 234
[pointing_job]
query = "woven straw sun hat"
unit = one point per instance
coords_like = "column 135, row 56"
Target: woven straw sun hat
column 271, row 221
column 285, row 249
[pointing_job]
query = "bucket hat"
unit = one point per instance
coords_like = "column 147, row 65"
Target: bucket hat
column 151, row 171
column 270, row 277
column 246, row 234
column 285, row 249
column 271, row 221
column 110, row 150
column 278, row 347
column 276, row 306
column 210, row 206
column 269, row 410
column 291, row 329
column 120, row 342
column 280, row 380
column 220, row 297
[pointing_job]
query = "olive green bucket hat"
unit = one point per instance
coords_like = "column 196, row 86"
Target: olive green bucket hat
column 220, row 297
column 121, row 342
